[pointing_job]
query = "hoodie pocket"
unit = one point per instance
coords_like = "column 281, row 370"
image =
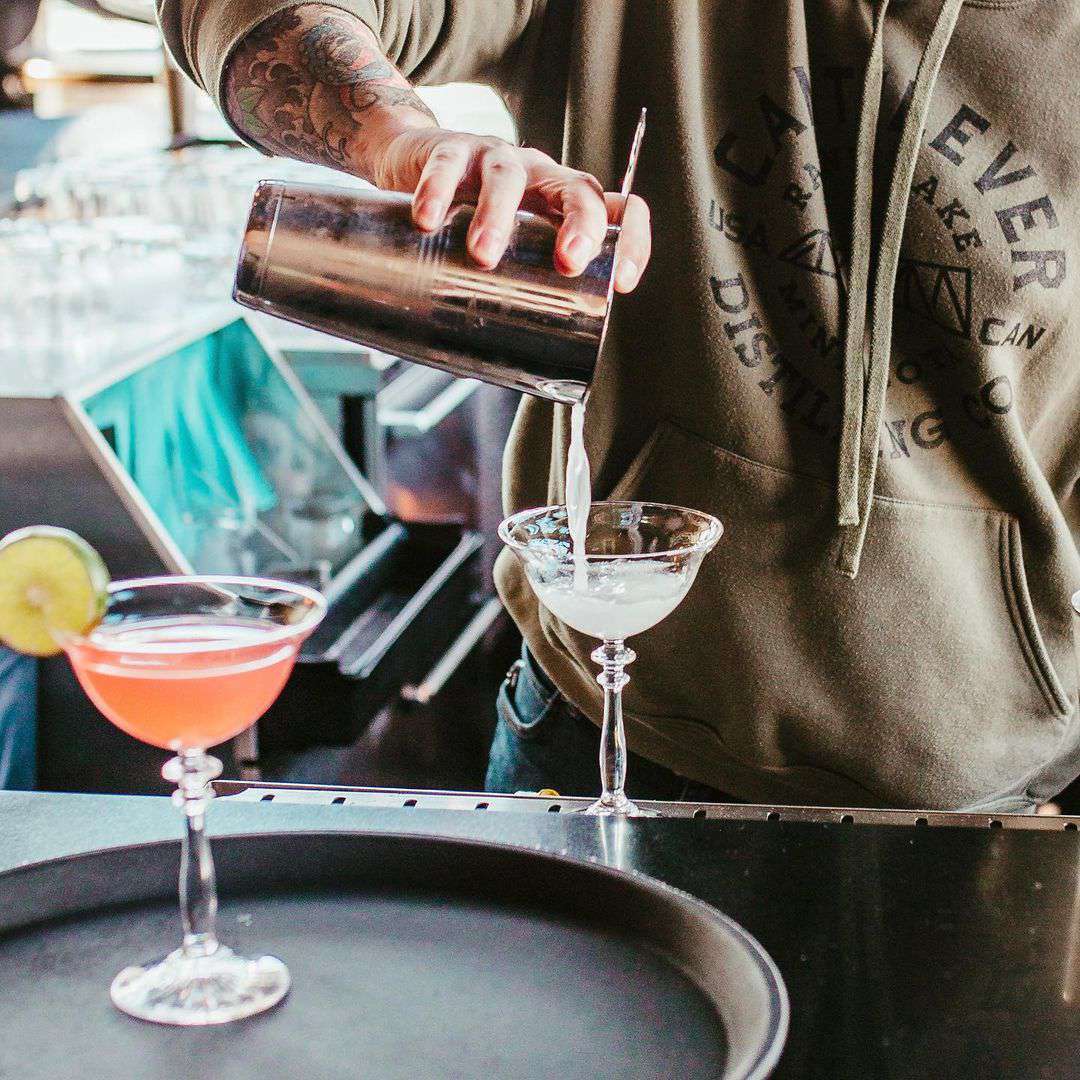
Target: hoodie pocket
column 925, row 680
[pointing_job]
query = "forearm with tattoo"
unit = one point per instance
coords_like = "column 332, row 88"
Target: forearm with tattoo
column 312, row 83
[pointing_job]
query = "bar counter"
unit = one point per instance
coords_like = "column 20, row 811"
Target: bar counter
column 911, row 946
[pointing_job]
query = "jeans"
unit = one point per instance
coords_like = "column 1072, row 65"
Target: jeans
column 541, row 741
column 18, row 720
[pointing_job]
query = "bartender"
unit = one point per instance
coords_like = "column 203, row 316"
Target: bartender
column 853, row 345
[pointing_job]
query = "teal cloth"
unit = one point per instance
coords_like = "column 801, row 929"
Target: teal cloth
column 177, row 426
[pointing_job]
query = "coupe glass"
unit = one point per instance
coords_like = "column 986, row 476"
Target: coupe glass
column 640, row 561
column 185, row 663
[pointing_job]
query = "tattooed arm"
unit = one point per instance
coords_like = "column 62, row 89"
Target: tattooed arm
column 312, row 83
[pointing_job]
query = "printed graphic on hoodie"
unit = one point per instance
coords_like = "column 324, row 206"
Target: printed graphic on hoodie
column 981, row 232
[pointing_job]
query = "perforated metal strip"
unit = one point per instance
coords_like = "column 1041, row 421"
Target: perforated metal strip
column 473, row 801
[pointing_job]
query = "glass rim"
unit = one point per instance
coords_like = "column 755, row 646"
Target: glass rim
column 714, row 524
column 1076, row 602
column 282, row 633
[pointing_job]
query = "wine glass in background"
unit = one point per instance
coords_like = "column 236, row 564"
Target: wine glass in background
column 185, row 663
column 640, row 561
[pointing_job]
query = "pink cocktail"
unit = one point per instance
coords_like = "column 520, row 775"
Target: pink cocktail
column 185, row 663
column 183, row 682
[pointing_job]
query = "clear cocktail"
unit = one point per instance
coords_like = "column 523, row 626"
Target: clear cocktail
column 638, row 563
column 614, row 604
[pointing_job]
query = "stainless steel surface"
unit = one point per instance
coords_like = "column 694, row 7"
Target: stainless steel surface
column 367, row 560
column 352, row 263
column 422, row 418
column 528, row 802
column 361, row 666
column 452, row 659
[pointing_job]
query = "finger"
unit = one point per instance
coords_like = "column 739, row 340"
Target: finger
column 502, row 185
column 581, row 201
column 635, row 244
column 438, row 183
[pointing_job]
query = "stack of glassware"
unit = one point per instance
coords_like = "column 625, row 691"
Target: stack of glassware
column 104, row 256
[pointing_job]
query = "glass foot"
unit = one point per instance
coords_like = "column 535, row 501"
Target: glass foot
column 618, row 806
column 195, row 991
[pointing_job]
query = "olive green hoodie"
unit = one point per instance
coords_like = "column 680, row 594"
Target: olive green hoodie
column 857, row 344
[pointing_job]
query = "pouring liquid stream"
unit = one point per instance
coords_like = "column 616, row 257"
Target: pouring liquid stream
column 621, row 598
column 578, row 494
column 578, row 478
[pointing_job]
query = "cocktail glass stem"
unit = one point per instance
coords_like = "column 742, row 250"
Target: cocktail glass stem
column 192, row 771
column 203, row 981
column 613, row 656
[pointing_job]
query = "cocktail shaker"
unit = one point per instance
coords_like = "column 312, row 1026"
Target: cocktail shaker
column 350, row 262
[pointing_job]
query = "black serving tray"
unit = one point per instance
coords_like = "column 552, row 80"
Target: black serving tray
column 411, row 956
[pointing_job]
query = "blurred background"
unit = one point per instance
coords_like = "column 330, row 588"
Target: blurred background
column 177, row 433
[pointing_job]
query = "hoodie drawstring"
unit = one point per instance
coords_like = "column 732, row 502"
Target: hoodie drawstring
column 867, row 352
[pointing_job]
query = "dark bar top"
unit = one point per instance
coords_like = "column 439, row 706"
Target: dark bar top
column 932, row 952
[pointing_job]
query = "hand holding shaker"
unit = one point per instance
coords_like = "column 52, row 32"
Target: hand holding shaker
column 351, row 263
